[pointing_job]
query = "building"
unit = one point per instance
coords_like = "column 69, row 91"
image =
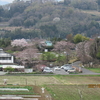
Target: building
column 7, row 60
column 5, row 57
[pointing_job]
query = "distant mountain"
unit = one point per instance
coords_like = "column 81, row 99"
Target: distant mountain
column 3, row 2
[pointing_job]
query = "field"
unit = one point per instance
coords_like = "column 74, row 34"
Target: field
column 18, row 92
column 97, row 70
column 61, row 87
column 51, row 79
column 73, row 92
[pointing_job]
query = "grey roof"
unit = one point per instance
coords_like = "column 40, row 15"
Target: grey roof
column 3, row 54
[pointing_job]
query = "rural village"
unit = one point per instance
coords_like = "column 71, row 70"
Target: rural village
column 49, row 49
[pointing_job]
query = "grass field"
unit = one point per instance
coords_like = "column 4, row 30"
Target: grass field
column 75, row 88
column 53, row 79
column 73, row 92
column 61, row 87
column 97, row 70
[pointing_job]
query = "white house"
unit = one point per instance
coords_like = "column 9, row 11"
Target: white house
column 7, row 60
column 6, row 57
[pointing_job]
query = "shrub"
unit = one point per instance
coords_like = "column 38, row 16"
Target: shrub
column 9, row 69
column 98, row 55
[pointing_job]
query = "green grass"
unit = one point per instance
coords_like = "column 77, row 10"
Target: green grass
column 73, row 92
column 96, row 70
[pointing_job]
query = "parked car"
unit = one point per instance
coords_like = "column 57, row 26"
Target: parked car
column 78, row 69
column 47, row 70
column 66, row 67
column 63, row 66
column 57, row 68
column 72, row 70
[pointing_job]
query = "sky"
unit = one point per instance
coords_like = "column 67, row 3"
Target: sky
column 7, row 0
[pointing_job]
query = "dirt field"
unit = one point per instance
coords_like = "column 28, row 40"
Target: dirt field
column 41, row 80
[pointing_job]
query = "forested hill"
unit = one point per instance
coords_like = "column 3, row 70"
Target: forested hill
column 50, row 19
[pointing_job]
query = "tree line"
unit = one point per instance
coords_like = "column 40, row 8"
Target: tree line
column 51, row 20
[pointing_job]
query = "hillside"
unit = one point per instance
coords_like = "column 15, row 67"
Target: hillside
column 50, row 19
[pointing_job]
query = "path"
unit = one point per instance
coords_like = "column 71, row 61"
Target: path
column 2, row 73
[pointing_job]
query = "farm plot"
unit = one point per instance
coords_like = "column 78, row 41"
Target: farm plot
column 73, row 92
column 16, row 90
column 29, row 80
column 79, row 79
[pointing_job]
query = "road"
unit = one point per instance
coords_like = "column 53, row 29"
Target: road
column 85, row 71
column 2, row 73
column 76, row 64
column 63, row 72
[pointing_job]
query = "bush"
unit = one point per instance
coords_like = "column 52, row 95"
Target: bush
column 9, row 69
column 98, row 55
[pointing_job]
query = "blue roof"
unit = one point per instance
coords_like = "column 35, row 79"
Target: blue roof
column 48, row 43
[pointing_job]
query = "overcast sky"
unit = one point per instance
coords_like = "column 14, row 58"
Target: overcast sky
column 7, row 0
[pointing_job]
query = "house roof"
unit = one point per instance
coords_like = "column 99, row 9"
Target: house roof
column 3, row 54
column 48, row 43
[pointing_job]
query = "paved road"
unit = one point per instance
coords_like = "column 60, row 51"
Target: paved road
column 60, row 72
column 2, row 73
column 77, row 64
column 63, row 72
column 85, row 71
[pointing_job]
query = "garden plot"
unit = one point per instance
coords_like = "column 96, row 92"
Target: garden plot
column 16, row 90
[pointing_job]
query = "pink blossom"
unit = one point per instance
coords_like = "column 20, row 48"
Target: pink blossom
column 19, row 42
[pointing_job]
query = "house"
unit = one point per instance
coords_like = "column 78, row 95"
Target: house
column 45, row 45
column 48, row 43
column 7, row 60
column 6, row 57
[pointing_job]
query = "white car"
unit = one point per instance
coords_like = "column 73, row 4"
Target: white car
column 64, row 66
column 72, row 70
column 57, row 68
column 47, row 70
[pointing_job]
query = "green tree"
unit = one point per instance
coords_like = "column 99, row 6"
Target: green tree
column 79, row 38
column 98, row 2
column 67, row 2
column 4, row 42
column 1, row 11
column 49, row 56
column 61, row 59
column 98, row 55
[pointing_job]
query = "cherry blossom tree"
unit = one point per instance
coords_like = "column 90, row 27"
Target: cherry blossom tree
column 28, row 57
column 19, row 43
column 83, row 52
column 63, row 46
